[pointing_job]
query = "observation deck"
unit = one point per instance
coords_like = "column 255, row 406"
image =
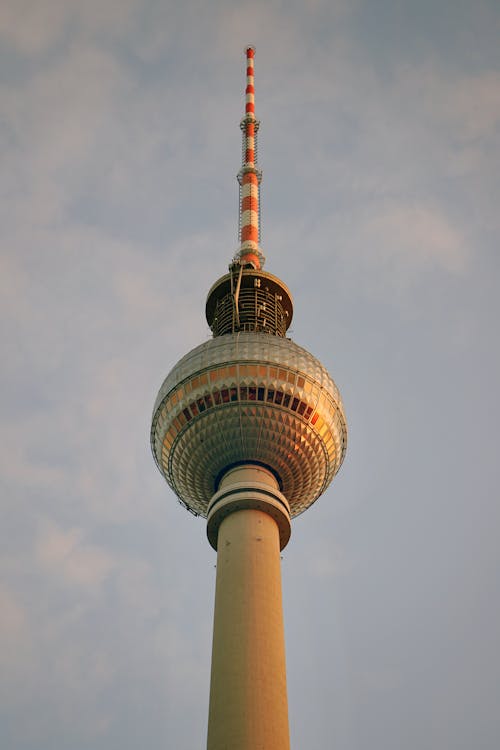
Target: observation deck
column 248, row 397
column 247, row 299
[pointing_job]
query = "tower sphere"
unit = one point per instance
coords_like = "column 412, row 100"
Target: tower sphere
column 248, row 397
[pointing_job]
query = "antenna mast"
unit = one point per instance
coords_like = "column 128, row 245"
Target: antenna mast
column 249, row 178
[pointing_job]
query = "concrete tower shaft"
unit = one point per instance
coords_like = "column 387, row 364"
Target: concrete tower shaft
column 248, row 696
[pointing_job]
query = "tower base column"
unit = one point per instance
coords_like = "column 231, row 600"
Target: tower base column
column 249, row 522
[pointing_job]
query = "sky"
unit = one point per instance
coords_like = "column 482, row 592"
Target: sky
column 379, row 145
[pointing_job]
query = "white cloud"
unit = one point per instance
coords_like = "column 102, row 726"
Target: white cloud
column 405, row 238
column 65, row 553
column 327, row 562
column 15, row 640
column 34, row 26
column 468, row 105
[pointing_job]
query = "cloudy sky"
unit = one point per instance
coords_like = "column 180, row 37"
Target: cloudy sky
column 120, row 142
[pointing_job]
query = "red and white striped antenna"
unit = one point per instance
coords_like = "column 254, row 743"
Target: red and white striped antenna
column 249, row 178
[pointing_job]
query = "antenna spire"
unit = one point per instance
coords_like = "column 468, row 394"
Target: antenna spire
column 249, row 178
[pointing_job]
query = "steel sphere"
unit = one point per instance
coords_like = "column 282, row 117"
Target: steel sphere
column 248, row 397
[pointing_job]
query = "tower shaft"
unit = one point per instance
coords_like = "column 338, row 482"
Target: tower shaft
column 248, row 697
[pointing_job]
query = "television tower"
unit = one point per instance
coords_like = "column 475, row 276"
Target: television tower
column 248, row 430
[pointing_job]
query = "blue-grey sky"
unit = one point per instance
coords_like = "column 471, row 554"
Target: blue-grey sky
column 379, row 143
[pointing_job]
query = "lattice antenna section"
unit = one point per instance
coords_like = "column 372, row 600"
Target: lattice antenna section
column 249, row 178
